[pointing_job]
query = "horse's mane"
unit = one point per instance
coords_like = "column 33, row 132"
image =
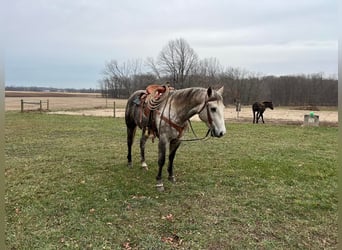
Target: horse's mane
column 195, row 94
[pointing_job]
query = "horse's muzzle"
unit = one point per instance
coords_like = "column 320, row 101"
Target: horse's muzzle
column 217, row 134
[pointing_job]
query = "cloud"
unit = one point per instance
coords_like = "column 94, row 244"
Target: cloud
column 267, row 35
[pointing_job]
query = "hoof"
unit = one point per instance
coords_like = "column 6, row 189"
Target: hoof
column 144, row 165
column 130, row 164
column 172, row 179
column 160, row 187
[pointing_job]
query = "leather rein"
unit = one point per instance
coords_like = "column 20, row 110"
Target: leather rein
column 180, row 129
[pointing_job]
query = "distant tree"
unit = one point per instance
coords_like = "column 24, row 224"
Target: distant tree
column 120, row 79
column 177, row 59
column 143, row 80
column 210, row 67
column 150, row 62
column 234, row 79
column 208, row 72
column 178, row 63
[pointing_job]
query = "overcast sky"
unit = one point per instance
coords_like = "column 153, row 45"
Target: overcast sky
column 64, row 43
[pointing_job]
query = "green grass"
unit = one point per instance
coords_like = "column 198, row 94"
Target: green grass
column 258, row 187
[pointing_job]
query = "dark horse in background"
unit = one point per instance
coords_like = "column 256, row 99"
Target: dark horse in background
column 259, row 109
column 163, row 112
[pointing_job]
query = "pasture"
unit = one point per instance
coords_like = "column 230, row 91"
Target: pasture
column 92, row 105
column 265, row 186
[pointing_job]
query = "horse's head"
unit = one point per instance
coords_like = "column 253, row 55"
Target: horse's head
column 268, row 105
column 212, row 112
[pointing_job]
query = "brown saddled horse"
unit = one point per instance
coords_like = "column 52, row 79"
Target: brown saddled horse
column 164, row 113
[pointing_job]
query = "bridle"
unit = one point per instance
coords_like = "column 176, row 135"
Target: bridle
column 180, row 129
column 206, row 105
column 209, row 122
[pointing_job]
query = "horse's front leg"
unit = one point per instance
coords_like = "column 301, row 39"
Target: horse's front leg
column 173, row 149
column 161, row 161
column 143, row 140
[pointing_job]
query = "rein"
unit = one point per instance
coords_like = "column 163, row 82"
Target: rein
column 196, row 138
column 210, row 120
column 171, row 123
column 180, row 129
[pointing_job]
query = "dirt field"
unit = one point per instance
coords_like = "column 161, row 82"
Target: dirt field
column 59, row 101
column 93, row 105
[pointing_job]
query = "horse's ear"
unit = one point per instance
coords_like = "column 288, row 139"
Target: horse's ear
column 220, row 90
column 209, row 92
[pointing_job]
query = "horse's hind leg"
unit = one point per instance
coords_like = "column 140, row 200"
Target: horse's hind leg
column 262, row 117
column 130, row 138
column 143, row 140
column 173, row 149
column 253, row 116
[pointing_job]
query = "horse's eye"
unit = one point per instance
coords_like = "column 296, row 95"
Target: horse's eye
column 213, row 110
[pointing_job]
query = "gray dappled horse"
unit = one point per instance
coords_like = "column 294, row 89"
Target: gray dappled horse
column 166, row 117
column 259, row 109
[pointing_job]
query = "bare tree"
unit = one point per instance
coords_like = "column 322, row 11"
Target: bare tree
column 119, row 79
column 210, row 67
column 207, row 72
column 153, row 66
column 177, row 59
column 179, row 64
column 235, row 77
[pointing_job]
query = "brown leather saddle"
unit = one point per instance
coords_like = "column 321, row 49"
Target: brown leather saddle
column 148, row 103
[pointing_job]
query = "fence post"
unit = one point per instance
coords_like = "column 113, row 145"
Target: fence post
column 47, row 104
column 238, row 108
column 40, row 105
column 22, row 105
column 114, row 110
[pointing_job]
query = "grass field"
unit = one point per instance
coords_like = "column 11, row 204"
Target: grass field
column 258, row 187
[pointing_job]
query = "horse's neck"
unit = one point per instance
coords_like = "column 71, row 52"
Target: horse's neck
column 185, row 106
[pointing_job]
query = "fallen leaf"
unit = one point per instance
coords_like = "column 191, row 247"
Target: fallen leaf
column 127, row 246
column 173, row 240
column 168, row 217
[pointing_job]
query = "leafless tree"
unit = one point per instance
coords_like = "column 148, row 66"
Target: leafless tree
column 177, row 59
column 210, row 67
column 150, row 62
column 119, row 79
column 234, row 78
column 179, row 64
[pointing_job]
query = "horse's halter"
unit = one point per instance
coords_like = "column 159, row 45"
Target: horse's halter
column 180, row 129
column 210, row 121
column 206, row 105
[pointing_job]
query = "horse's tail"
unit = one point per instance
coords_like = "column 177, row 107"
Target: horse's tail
column 132, row 106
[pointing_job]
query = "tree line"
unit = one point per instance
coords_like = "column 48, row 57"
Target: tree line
column 179, row 65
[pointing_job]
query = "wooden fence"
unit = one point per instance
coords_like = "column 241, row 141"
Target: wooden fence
column 37, row 103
